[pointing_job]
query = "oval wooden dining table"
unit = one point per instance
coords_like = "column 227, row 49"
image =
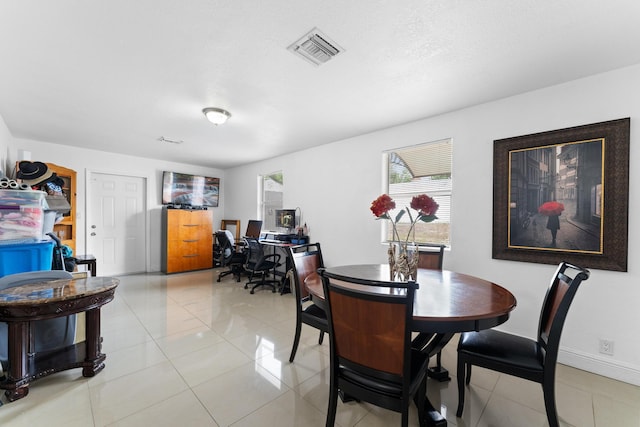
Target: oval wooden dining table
column 445, row 303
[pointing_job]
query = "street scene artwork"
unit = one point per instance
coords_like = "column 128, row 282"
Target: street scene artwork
column 556, row 198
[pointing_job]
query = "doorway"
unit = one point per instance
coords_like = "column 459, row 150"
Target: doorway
column 117, row 223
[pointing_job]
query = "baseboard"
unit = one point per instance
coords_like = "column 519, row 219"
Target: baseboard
column 600, row 365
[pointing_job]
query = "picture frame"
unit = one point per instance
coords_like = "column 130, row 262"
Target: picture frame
column 563, row 195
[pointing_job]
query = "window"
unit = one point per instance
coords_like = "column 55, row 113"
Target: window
column 271, row 192
column 421, row 169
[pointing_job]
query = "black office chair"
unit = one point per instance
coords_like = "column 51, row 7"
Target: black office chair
column 306, row 260
column 431, row 256
column 371, row 355
column 259, row 263
column 533, row 360
column 229, row 257
column 50, row 334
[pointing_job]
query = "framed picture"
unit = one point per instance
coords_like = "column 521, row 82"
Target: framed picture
column 563, row 195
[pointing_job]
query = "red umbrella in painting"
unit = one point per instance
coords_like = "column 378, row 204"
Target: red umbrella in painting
column 551, row 208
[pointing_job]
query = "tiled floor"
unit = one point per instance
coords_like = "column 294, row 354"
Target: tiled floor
column 184, row 350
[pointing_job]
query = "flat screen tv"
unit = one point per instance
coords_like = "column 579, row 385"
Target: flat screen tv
column 286, row 218
column 189, row 190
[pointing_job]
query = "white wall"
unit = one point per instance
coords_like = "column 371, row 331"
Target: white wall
column 5, row 140
column 334, row 185
column 83, row 161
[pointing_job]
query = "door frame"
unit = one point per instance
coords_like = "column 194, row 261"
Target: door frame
column 145, row 186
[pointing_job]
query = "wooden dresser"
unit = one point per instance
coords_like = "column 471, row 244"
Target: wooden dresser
column 187, row 240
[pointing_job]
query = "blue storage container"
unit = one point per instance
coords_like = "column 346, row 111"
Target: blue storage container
column 21, row 257
column 49, row 334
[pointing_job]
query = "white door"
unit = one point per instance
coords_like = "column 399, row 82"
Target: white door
column 116, row 223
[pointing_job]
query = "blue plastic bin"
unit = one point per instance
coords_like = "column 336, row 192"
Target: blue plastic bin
column 21, row 257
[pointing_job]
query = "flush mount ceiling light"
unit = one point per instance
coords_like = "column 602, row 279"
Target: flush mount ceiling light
column 217, row 116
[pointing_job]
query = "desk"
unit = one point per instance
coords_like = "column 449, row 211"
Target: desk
column 444, row 304
column 20, row 305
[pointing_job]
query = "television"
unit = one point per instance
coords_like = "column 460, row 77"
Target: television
column 189, row 190
column 286, row 218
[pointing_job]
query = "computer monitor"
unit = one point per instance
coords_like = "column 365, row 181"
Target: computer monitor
column 253, row 228
column 286, row 218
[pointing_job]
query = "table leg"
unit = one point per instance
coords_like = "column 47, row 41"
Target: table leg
column 434, row 346
column 94, row 359
column 16, row 384
column 434, row 418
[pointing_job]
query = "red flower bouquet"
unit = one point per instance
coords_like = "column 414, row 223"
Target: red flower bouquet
column 403, row 262
column 425, row 206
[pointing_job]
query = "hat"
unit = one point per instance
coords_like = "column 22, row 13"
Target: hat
column 33, row 173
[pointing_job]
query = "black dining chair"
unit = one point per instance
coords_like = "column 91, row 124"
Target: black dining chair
column 533, row 360
column 306, row 259
column 371, row 355
column 431, row 256
column 257, row 263
column 229, row 257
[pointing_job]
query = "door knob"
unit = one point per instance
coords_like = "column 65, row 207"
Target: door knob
column 93, row 234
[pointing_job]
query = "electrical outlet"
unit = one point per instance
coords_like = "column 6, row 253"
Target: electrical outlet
column 606, row 347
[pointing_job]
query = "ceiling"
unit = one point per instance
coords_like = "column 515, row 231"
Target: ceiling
column 118, row 75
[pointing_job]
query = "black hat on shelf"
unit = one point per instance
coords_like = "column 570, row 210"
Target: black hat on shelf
column 33, row 173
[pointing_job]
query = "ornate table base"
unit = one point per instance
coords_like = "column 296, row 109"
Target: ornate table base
column 84, row 295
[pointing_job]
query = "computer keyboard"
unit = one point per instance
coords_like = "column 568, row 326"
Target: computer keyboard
column 270, row 241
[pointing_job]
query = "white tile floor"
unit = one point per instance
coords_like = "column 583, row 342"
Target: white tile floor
column 184, row 350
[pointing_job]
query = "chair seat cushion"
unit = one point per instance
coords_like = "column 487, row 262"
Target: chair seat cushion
column 391, row 388
column 501, row 348
column 267, row 265
column 316, row 317
column 315, row 311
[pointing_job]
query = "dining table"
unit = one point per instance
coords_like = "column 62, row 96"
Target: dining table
column 445, row 303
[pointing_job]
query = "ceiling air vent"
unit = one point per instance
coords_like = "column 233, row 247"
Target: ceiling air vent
column 315, row 47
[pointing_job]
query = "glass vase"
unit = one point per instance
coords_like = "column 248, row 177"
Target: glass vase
column 403, row 261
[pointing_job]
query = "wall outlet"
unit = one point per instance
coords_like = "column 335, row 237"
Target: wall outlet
column 606, row 347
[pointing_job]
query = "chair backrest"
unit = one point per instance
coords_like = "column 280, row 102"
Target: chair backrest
column 255, row 254
column 370, row 325
column 306, row 259
column 555, row 307
column 226, row 248
column 431, row 256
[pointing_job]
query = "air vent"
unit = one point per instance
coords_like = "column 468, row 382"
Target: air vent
column 170, row 141
column 315, row 47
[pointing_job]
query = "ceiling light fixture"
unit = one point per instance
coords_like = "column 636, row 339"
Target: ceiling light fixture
column 217, row 116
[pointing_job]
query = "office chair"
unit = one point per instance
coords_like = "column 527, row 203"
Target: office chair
column 533, row 360
column 259, row 263
column 48, row 334
column 228, row 256
column 371, row 355
column 306, row 260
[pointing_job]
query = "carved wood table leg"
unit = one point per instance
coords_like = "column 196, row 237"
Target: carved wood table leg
column 16, row 384
column 94, row 360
